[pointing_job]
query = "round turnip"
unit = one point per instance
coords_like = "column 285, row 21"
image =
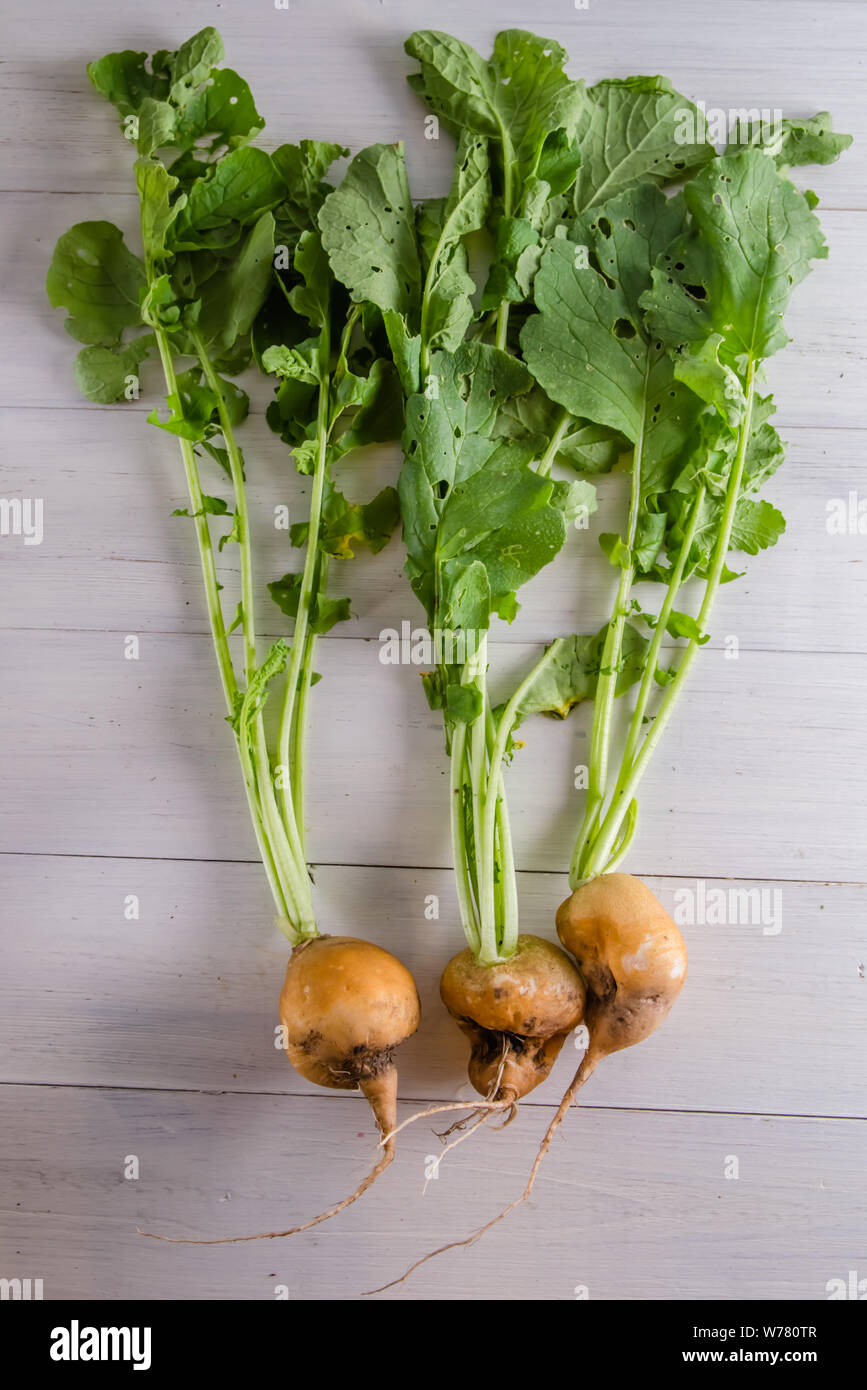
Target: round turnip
column 346, row 1006
column 516, row 1013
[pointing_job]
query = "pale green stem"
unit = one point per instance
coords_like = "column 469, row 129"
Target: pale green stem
column 610, row 828
column 496, row 807
column 298, row 711
column 284, row 841
column 293, row 795
column 649, row 678
column 299, row 714
column 606, row 685
column 280, row 883
column 563, row 421
column 625, row 838
column 502, row 338
column 495, row 801
column 500, row 849
column 203, row 537
column 457, row 781
column 220, row 638
column 242, row 526
column 475, row 669
column 509, row 939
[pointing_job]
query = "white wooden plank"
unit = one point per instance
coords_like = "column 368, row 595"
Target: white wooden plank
column 185, row 996
column 759, row 774
column 112, row 558
column 629, row 1205
column 337, row 71
column 820, row 378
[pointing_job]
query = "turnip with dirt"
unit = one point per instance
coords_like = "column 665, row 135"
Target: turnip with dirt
column 653, row 317
column 233, row 270
column 478, row 520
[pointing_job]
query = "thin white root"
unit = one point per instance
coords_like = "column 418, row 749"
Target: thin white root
column 381, row 1094
column 371, row 1178
column 475, row 1105
column 492, row 1091
column 495, row 1084
column 584, row 1072
column 462, row 1123
column 481, row 1119
column 443, row 1134
column 469, row 1119
column 438, row 1110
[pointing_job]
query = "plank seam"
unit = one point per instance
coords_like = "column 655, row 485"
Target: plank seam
column 425, row 1100
column 425, row 868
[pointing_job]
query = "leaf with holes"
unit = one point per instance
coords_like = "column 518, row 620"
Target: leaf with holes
column 516, row 100
column 750, row 241
column 588, row 347
column 442, row 224
column 636, row 129
column 787, row 141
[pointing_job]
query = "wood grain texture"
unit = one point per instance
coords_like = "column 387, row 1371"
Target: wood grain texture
column 185, row 995
column 118, row 777
column 337, row 70
column 761, row 772
column 630, row 1205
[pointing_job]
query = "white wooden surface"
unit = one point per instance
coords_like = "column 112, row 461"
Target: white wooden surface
column 155, row 1037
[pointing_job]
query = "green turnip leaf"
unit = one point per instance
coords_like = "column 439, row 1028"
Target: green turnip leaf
column 588, row 347
column 98, row 280
column 367, row 231
column 442, row 224
column 570, row 673
column 751, row 239
column 634, row 129
column 809, row 140
column 101, row 374
column 124, row 80
column 516, row 100
column 231, row 195
column 325, row 612
column 232, row 298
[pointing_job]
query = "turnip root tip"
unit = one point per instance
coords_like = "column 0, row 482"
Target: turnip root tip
column 450, row 1105
column 517, row 1014
column 634, row 961
column 346, row 1006
column 582, row 1074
